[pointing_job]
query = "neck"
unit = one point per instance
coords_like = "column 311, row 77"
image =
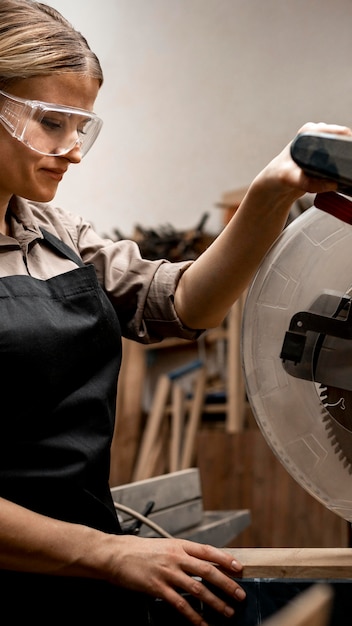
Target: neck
column 5, row 227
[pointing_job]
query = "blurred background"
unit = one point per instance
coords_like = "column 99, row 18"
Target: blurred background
column 199, row 95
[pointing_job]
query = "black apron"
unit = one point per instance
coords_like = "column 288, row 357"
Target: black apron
column 60, row 354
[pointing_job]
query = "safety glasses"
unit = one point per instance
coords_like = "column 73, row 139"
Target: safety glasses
column 50, row 129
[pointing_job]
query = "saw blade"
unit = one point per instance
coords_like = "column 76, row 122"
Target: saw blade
column 307, row 420
column 337, row 417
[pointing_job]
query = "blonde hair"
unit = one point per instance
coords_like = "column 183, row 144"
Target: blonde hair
column 36, row 40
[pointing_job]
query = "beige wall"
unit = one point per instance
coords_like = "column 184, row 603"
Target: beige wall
column 198, row 96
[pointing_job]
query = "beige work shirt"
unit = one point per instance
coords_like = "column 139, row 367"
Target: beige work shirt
column 140, row 290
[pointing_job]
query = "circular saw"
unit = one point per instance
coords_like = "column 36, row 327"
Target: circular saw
column 296, row 347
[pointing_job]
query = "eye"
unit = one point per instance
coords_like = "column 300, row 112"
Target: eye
column 83, row 127
column 83, row 130
column 53, row 122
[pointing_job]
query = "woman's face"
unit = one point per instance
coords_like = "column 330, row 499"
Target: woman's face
column 24, row 172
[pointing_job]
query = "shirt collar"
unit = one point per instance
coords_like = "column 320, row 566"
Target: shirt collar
column 24, row 225
column 22, row 217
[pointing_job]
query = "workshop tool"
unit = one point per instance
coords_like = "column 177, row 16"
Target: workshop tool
column 296, row 350
column 325, row 155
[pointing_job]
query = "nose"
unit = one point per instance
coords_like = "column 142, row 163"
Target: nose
column 75, row 154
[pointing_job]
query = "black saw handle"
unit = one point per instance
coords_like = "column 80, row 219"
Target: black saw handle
column 325, row 155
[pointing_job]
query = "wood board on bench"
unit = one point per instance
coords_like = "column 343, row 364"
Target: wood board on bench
column 295, row 563
column 274, row 578
column 178, row 508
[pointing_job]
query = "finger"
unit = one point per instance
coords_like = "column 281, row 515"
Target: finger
column 188, row 608
column 215, row 566
column 313, row 184
column 322, row 127
column 210, row 554
column 218, row 579
column 213, row 587
column 196, row 594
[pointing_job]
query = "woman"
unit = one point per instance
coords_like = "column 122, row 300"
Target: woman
column 66, row 297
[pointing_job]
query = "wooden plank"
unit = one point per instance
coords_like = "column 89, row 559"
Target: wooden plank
column 177, row 497
column 177, row 425
column 218, row 528
column 128, row 412
column 167, row 490
column 188, row 521
column 235, row 388
column 178, row 508
column 194, row 419
column 176, row 519
column 144, row 468
column 295, row 563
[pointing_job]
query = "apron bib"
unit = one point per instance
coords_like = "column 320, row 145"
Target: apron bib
column 60, row 354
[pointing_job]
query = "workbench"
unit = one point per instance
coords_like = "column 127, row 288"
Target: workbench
column 272, row 578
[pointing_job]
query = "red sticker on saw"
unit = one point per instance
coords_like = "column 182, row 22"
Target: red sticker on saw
column 335, row 204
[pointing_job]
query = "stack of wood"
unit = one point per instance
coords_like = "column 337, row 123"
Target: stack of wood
column 166, row 242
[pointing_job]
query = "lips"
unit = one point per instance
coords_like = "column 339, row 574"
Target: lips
column 55, row 174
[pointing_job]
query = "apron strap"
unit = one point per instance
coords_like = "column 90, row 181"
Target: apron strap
column 62, row 248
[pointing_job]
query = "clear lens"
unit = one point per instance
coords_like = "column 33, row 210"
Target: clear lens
column 56, row 132
column 49, row 129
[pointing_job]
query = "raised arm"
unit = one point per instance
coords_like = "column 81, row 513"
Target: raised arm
column 211, row 285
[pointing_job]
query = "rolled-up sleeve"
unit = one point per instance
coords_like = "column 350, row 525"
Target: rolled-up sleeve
column 159, row 313
column 141, row 291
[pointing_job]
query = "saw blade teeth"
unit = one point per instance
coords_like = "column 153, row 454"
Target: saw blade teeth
column 326, row 418
column 323, row 393
column 333, row 432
